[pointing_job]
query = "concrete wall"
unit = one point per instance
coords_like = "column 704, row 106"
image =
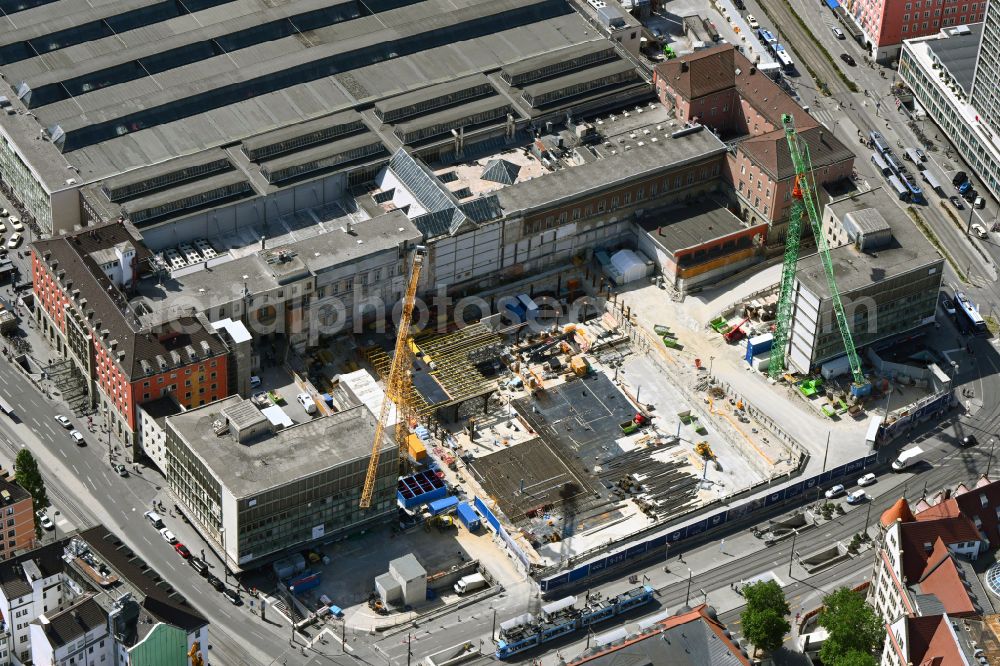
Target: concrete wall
column 257, row 212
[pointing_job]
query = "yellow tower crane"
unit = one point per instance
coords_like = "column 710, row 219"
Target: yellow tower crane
column 397, row 383
column 194, row 654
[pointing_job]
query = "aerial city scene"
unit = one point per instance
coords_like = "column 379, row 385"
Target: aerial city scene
column 483, row 332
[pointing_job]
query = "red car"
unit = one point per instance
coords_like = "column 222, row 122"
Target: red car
column 182, row 550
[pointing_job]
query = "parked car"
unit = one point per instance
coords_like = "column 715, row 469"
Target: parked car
column 45, row 521
column 752, row 22
column 740, row 5
column 182, row 550
column 254, row 381
column 969, row 440
column 848, row 58
column 838, row 33
column 233, row 596
column 867, row 480
column 836, row 491
column 857, row 497
column 920, row 153
column 4, row 212
column 957, row 202
column 121, row 469
column 970, row 195
column 307, row 402
column 168, row 536
column 154, row 518
column 215, row 582
column 959, row 178
column 15, row 241
column 77, row 437
column 979, row 203
column 63, row 421
column 949, row 307
column 979, row 230
column 198, row 565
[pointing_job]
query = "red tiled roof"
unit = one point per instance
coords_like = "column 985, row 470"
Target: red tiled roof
column 898, row 511
column 931, row 642
column 945, row 509
column 700, row 73
column 767, row 97
column 770, row 151
column 914, row 537
column 941, row 578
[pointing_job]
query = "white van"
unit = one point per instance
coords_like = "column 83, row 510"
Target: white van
column 839, row 33
column 307, row 402
column 16, row 223
column 155, row 519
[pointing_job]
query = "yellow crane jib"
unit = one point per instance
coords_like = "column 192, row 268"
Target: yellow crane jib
column 397, row 382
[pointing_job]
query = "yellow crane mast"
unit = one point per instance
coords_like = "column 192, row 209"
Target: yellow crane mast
column 397, row 384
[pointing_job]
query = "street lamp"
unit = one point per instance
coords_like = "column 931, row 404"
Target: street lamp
column 989, row 463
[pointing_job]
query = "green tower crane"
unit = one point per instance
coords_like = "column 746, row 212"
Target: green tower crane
column 804, row 204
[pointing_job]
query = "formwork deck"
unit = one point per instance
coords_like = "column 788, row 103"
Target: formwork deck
column 455, row 377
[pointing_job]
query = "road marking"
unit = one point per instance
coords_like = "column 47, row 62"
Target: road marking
column 92, row 485
column 63, row 452
column 75, row 470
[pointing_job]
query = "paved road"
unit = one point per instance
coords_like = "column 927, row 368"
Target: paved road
column 85, row 490
column 847, row 112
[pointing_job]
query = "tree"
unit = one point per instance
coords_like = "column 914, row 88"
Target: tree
column 855, row 658
column 763, row 620
column 855, row 630
column 28, row 476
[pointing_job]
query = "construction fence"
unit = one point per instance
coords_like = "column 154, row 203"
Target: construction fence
column 664, row 540
column 494, row 522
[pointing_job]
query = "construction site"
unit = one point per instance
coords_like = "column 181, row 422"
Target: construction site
column 572, row 429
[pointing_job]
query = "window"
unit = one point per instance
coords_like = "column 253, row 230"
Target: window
column 10, row 523
column 614, row 202
column 904, row 28
column 576, row 214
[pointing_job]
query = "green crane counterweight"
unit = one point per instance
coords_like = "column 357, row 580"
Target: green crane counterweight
column 804, row 204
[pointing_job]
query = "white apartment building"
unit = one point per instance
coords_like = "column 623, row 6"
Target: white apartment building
column 950, row 76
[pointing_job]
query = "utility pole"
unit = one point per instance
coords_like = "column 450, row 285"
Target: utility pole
column 687, row 595
column 409, row 649
column 791, row 553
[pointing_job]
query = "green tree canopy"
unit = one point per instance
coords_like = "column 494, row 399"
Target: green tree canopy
column 763, row 620
column 855, row 630
column 855, row 658
column 28, row 476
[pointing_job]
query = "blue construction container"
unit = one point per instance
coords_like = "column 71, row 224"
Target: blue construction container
column 758, row 344
column 444, row 505
column 469, row 517
column 421, row 488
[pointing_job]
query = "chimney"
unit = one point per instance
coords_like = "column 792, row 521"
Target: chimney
column 263, row 243
column 684, row 66
column 659, row 231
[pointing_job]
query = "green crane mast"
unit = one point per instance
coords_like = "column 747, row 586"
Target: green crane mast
column 804, row 204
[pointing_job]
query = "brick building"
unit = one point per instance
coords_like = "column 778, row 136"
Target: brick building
column 886, row 23
column 83, row 284
column 18, row 528
column 724, row 91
